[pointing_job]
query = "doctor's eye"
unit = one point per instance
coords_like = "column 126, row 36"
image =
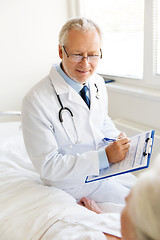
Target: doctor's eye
column 94, row 57
column 75, row 58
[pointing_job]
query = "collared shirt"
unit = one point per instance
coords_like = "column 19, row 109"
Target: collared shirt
column 103, row 160
column 75, row 85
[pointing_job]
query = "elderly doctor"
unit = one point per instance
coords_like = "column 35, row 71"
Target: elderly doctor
column 65, row 119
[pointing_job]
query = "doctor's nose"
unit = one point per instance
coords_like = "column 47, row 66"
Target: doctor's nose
column 85, row 61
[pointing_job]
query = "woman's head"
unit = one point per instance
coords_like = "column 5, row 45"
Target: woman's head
column 143, row 207
column 127, row 226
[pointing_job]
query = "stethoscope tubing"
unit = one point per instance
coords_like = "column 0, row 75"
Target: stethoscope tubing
column 60, row 113
column 62, row 108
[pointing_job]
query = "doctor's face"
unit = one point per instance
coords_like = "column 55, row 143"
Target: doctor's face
column 79, row 43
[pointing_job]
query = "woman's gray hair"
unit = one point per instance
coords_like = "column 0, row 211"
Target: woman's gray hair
column 145, row 204
column 78, row 24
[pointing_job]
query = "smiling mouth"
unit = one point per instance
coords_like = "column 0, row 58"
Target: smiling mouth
column 82, row 71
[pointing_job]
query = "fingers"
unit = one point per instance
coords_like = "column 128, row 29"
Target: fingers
column 117, row 150
column 90, row 204
column 86, row 202
column 126, row 146
column 123, row 140
column 121, row 135
column 83, row 201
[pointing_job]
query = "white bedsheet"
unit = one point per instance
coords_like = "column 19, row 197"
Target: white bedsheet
column 28, row 208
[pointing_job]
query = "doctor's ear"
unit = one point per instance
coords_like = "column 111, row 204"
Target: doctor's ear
column 60, row 51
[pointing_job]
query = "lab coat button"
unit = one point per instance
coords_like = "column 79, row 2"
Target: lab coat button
column 70, row 146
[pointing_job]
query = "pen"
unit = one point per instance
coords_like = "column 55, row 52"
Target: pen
column 110, row 139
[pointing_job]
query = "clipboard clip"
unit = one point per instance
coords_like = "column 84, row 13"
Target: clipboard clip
column 149, row 142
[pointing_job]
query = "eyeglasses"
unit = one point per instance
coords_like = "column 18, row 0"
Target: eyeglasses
column 78, row 57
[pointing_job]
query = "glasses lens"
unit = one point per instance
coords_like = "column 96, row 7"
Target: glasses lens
column 75, row 58
column 93, row 59
column 79, row 58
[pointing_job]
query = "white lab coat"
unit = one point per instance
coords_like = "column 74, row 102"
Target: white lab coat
column 59, row 162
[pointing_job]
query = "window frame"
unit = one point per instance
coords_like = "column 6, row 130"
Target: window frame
column 149, row 80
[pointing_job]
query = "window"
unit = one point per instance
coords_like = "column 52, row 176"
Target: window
column 122, row 22
column 131, row 49
column 156, row 22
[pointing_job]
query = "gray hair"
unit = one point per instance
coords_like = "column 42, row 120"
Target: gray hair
column 145, row 204
column 78, row 24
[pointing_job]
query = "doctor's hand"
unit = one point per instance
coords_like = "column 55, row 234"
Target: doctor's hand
column 117, row 150
column 122, row 135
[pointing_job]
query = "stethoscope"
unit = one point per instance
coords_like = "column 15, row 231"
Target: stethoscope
column 97, row 91
column 71, row 114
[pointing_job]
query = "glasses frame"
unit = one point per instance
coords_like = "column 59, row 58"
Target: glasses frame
column 68, row 55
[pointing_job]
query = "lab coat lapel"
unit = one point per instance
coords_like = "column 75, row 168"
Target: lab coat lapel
column 76, row 98
column 93, row 92
column 62, row 87
column 58, row 82
column 95, row 113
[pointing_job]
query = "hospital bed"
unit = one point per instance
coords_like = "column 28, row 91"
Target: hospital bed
column 30, row 210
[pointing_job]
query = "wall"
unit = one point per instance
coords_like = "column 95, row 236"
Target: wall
column 28, row 45
column 135, row 110
column 134, row 104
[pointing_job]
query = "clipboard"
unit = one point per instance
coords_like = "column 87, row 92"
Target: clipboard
column 137, row 158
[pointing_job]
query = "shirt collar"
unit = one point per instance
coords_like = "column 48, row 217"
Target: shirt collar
column 75, row 85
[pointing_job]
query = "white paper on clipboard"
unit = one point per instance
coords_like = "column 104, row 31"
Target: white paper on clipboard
column 137, row 158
